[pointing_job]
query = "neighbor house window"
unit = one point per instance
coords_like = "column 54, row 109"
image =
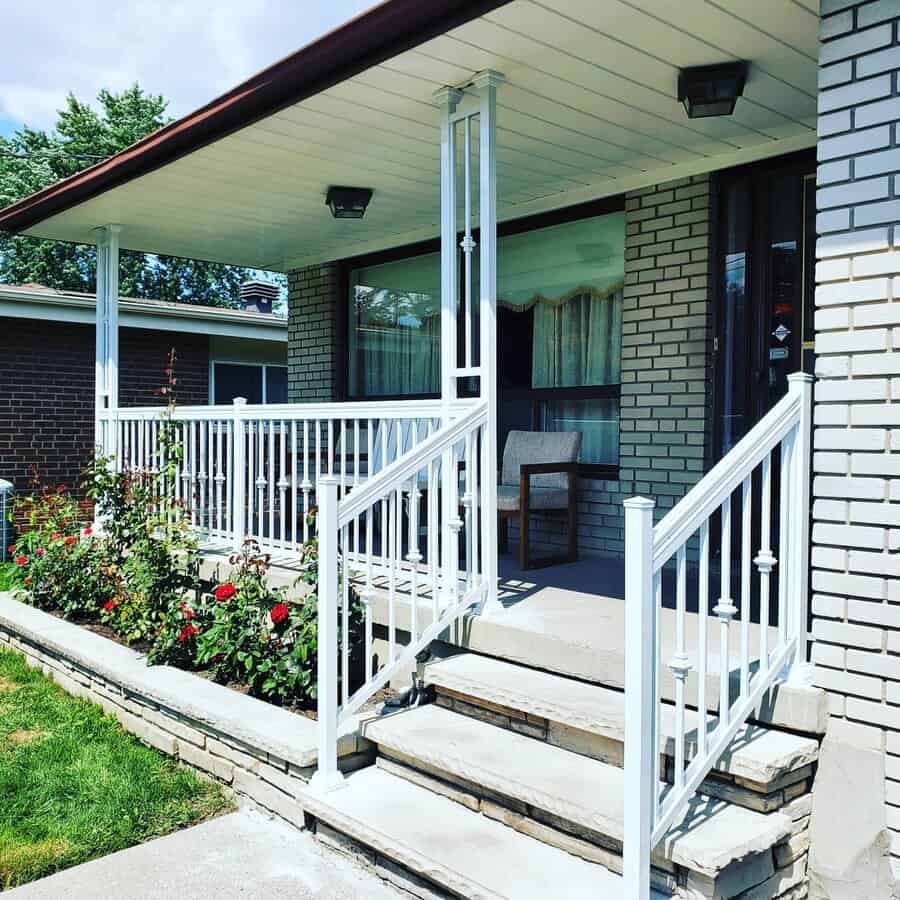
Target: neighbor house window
column 559, row 331
column 256, row 382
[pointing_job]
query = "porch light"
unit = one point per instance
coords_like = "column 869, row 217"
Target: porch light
column 348, row 202
column 711, row 90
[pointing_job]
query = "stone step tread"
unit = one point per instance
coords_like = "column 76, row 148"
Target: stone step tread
column 758, row 754
column 576, row 789
column 463, row 851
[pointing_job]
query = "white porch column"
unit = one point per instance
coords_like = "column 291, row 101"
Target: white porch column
column 106, row 366
column 486, row 83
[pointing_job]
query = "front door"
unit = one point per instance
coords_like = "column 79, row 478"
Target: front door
column 764, row 283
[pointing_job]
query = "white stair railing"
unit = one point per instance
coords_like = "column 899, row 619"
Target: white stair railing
column 410, row 550
column 253, row 470
column 748, row 666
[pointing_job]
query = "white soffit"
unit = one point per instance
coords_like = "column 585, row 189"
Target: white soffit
column 588, row 110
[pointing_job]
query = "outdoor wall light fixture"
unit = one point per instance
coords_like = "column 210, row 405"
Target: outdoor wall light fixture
column 711, row 90
column 348, row 202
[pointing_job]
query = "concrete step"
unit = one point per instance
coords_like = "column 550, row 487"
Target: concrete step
column 590, row 719
column 581, row 635
column 724, row 846
column 404, row 828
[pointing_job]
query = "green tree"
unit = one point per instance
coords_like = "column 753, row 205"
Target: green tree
column 32, row 159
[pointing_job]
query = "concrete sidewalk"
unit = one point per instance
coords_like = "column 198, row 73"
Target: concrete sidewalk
column 241, row 855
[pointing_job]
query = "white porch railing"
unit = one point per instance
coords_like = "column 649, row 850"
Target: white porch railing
column 782, row 439
column 254, row 470
column 417, row 539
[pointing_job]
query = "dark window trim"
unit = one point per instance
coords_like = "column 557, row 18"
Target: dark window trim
column 589, row 210
column 800, row 163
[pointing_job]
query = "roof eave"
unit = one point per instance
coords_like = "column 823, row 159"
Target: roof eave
column 371, row 38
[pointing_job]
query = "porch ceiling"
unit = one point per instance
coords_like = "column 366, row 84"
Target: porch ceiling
column 589, row 110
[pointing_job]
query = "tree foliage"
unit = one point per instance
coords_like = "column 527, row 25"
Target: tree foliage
column 31, row 159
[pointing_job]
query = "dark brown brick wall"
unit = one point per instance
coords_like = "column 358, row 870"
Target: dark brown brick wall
column 47, row 391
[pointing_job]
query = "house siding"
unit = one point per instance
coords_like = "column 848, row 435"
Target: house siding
column 47, row 401
column 856, row 485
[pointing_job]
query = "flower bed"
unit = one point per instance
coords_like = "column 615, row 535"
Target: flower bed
column 137, row 579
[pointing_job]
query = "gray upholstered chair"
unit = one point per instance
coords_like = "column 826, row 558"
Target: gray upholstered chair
column 539, row 475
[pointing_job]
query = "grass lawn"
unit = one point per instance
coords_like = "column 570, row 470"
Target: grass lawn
column 6, row 572
column 75, row 786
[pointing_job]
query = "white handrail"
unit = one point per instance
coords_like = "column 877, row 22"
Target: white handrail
column 372, row 537
column 650, row 811
column 252, row 470
column 357, row 409
column 406, row 466
column 706, row 496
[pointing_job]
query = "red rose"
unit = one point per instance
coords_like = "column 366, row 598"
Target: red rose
column 224, row 592
column 187, row 632
column 11, row 548
column 71, row 539
column 40, row 551
column 28, row 581
column 186, row 611
column 88, row 531
column 279, row 613
column 21, row 560
column 110, row 605
column 55, row 536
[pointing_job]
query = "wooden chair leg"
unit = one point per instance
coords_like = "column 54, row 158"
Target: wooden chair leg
column 573, row 532
column 524, row 555
column 573, row 519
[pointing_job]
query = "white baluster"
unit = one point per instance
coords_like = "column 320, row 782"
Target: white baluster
column 283, row 484
column 680, row 665
column 237, row 463
column 746, row 553
column 765, row 562
column 703, row 610
column 725, row 610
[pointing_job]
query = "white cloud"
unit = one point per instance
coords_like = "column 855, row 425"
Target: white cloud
column 189, row 51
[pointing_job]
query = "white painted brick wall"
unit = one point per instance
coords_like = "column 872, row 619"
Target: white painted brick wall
column 856, row 499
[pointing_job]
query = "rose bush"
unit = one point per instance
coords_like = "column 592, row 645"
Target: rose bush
column 139, row 575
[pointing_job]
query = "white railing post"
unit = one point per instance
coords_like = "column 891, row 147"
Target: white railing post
column 328, row 776
column 106, row 366
column 487, row 83
column 238, row 474
column 640, row 667
column 800, row 383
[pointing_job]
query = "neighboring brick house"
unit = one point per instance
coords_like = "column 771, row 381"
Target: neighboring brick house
column 47, row 369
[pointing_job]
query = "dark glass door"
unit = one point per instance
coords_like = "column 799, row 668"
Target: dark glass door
column 763, row 290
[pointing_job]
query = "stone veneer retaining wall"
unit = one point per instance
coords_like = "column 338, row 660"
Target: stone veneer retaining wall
column 856, row 489
column 666, row 361
column 262, row 752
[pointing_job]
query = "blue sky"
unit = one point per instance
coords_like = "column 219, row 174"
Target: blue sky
column 188, row 51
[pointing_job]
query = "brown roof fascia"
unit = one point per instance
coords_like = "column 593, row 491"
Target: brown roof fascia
column 376, row 35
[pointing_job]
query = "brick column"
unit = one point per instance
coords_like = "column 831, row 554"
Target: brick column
column 856, row 490
column 666, row 361
column 315, row 351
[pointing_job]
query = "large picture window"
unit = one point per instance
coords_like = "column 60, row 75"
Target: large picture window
column 395, row 328
column 559, row 334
